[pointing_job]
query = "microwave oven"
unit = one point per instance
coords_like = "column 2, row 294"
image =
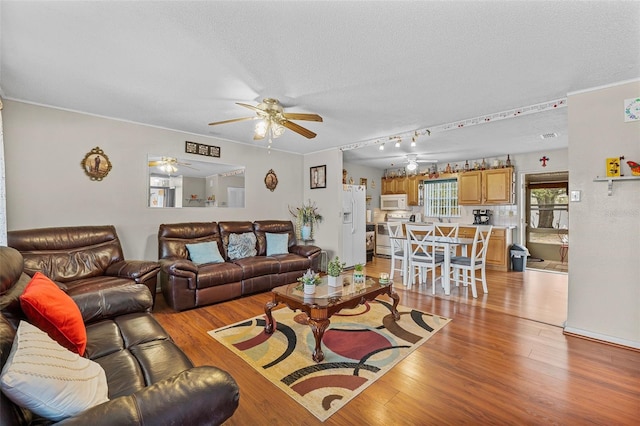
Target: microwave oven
column 393, row 202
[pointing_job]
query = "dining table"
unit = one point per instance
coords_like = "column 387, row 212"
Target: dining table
column 447, row 243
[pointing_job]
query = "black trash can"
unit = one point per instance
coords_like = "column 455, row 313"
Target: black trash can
column 518, row 257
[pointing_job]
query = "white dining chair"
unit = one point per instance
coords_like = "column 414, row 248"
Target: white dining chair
column 422, row 254
column 463, row 268
column 447, row 230
column 398, row 242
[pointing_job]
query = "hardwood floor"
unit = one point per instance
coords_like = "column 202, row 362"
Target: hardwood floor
column 502, row 360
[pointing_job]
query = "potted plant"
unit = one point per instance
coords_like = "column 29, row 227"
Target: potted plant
column 358, row 273
column 309, row 281
column 307, row 217
column 334, row 269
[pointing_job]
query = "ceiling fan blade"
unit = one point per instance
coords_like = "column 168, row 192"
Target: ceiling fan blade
column 231, row 121
column 156, row 163
column 298, row 129
column 251, row 107
column 301, row 116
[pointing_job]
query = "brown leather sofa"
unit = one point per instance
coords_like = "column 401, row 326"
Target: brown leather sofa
column 188, row 285
column 81, row 258
column 150, row 380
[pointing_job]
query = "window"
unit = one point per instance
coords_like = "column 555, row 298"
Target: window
column 441, row 198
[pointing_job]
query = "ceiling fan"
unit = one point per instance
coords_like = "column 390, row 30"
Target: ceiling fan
column 273, row 120
column 412, row 161
column 169, row 164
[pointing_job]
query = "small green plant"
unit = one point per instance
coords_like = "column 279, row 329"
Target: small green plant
column 310, row 278
column 335, row 267
column 358, row 267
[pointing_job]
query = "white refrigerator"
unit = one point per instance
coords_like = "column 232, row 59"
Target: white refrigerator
column 354, row 239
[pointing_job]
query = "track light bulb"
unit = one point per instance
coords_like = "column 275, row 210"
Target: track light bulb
column 381, row 148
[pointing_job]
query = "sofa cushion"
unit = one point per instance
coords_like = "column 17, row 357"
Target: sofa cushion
column 257, row 266
column 204, row 253
column 277, row 243
column 48, row 379
column 50, row 309
column 216, row 274
column 292, row 262
column 242, row 245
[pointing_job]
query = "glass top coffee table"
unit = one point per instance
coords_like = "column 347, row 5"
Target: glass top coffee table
column 326, row 301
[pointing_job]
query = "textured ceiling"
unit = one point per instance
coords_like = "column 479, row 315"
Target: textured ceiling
column 370, row 69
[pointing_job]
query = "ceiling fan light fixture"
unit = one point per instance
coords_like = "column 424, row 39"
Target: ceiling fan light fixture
column 412, row 165
column 261, row 128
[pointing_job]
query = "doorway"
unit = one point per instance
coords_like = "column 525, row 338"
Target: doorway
column 547, row 221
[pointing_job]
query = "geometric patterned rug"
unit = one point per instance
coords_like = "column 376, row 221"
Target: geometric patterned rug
column 360, row 346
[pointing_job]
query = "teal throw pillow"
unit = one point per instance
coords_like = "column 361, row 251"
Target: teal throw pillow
column 204, row 253
column 277, row 244
column 242, row 245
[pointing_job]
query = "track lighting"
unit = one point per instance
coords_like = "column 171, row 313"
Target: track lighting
column 381, row 147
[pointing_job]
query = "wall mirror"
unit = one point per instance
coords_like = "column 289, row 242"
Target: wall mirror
column 177, row 182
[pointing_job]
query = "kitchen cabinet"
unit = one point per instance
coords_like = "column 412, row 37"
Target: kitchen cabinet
column 413, row 194
column 480, row 187
column 394, row 185
column 498, row 256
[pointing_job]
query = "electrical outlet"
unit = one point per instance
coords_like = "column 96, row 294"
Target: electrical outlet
column 575, row 195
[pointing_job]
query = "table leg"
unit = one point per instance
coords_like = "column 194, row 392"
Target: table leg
column 268, row 327
column 394, row 310
column 318, row 326
column 445, row 274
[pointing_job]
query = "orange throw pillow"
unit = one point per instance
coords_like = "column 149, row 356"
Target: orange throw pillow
column 54, row 312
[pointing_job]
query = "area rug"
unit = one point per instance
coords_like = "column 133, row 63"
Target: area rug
column 360, row 346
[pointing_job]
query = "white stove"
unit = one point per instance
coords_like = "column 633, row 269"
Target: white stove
column 383, row 244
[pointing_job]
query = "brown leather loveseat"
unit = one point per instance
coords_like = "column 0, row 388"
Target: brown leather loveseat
column 186, row 284
column 81, row 258
column 149, row 380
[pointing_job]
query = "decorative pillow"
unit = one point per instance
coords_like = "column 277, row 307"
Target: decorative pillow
column 277, row 244
column 205, row 253
column 242, row 245
column 48, row 379
column 53, row 311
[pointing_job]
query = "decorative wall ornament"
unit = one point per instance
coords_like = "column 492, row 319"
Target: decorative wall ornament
column 96, row 164
column 271, row 180
column 318, row 177
column 201, row 149
column 544, row 160
column 632, row 109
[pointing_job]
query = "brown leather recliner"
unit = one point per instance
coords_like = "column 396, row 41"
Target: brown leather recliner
column 187, row 285
column 150, row 380
column 81, row 259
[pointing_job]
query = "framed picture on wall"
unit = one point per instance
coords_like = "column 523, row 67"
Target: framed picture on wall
column 318, row 177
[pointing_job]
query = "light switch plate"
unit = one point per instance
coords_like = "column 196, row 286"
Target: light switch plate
column 575, row 195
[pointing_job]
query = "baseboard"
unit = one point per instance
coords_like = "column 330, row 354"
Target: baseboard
column 602, row 338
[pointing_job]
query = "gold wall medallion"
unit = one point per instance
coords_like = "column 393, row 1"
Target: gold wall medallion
column 96, row 164
column 271, row 180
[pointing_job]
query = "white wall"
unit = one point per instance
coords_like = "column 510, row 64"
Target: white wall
column 329, row 200
column 373, row 177
column 47, row 187
column 604, row 281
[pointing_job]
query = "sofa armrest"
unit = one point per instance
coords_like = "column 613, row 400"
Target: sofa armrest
column 179, row 267
column 198, row 396
column 305, row 251
column 137, row 270
column 97, row 303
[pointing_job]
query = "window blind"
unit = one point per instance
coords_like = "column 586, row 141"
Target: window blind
column 441, row 198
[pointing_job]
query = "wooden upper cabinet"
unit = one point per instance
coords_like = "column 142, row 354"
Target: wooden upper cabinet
column 498, row 186
column 494, row 186
column 395, row 185
column 470, row 188
column 413, row 197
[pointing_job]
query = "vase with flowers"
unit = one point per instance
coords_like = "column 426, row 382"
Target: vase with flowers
column 307, row 217
column 309, row 281
column 334, row 269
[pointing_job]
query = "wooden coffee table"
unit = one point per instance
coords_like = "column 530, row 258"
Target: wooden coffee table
column 327, row 301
